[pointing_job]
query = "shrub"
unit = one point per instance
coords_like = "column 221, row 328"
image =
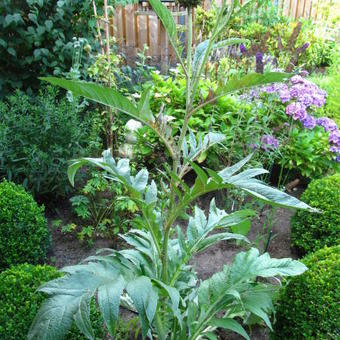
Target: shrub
column 36, row 38
column 19, row 301
column 38, row 136
column 309, row 306
column 311, row 232
column 24, row 236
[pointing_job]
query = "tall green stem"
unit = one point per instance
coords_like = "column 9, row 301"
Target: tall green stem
column 188, row 80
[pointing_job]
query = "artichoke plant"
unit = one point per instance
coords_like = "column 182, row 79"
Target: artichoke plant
column 153, row 276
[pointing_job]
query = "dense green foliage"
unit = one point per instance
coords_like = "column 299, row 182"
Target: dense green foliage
column 102, row 208
column 19, row 301
column 311, row 232
column 38, row 136
column 24, row 236
column 309, row 306
column 36, row 38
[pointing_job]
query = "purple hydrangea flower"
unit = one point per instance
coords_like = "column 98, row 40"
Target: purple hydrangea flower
column 297, row 110
column 285, row 96
column 337, row 159
column 327, row 123
column 334, row 137
column 309, row 122
column 269, row 141
column 335, row 149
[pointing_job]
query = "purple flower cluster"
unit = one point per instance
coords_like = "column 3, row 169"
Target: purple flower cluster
column 268, row 141
column 299, row 95
column 334, row 134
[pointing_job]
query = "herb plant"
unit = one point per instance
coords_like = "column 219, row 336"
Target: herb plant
column 153, row 276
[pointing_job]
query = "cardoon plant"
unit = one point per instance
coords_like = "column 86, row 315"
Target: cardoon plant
column 153, row 275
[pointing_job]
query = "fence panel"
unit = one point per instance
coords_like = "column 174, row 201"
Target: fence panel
column 136, row 25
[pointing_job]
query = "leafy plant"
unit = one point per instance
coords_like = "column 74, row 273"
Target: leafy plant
column 312, row 232
column 38, row 136
column 153, row 276
column 102, row 208
column 308, row 307
column 19, row 301
column 36, row 39
column 23, row 228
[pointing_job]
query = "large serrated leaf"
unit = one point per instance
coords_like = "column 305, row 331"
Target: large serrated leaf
column 249, row 265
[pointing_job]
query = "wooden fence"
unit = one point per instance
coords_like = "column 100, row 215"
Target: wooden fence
column 137, row 25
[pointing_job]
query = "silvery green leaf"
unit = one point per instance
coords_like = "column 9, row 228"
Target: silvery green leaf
column 109, row 300
column 54, row 318
column 249, row 265
column 145, row 299
column 82, row 317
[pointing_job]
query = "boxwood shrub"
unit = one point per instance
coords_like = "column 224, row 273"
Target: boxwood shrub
column 19, row 302
column 309, row 306
column 24, row 236
column 310, row 231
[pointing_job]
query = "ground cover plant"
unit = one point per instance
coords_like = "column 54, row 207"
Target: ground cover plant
column 153, row 276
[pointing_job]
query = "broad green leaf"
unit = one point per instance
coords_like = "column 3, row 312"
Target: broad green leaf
column 231, row 325
column 100, row 94
column 251, row 80
column 109, row 301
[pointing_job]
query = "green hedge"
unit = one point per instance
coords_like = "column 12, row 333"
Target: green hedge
column 312, row 231
column 19, row 302
column 24, row 236
column 37, row 38
column 309, row 306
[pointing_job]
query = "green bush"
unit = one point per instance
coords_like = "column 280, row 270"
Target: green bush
column 24, row 236
column 38, row 136
column 36, row 38
column 19, row 301
column 309, row 306
column 311, row 232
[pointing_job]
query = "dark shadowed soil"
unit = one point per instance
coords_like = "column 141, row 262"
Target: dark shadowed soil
column 67, row 250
